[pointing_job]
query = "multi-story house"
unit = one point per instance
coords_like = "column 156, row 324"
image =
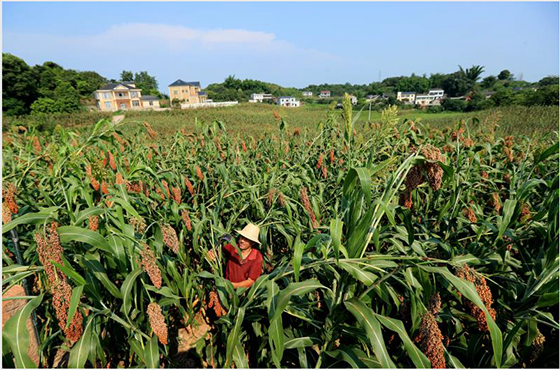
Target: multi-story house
column 406, row 97
column 187, row 92
column 118, row 96
column 307, row 94
column 288, row 101
column 437, row 93
column 325, row 94
column 260, row 97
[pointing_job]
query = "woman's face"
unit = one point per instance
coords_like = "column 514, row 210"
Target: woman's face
column 244, row 243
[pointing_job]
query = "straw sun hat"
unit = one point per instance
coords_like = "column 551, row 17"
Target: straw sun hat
column 251, row 232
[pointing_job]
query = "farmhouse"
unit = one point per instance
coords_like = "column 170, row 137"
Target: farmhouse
column 432, row 98
column 150, row 101
column 325, row 94
column 288, row 101
column 187, row 92
column 437, row 93
column 123, row 96
column 307, row 94
column 406, row 97
column 260, row 97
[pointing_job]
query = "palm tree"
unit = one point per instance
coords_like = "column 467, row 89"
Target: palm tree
column 473, row 73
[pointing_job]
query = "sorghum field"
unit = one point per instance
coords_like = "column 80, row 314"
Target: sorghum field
column 387, row 243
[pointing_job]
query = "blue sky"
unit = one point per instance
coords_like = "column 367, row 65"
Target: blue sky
column 292, row 44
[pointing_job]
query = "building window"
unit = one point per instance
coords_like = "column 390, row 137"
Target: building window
column 135, row 103
column 123, row 106
column 121, row 95
column 151, row 103
column 96, row 96
column 134, row 94
column 108, row 104
column 106, row 95
column 175, row 92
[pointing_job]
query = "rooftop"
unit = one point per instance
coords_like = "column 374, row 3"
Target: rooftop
column 149, row 97
column 112, row 86
column 183, row 83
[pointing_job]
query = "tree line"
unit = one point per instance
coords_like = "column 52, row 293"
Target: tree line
column 235, row 89
column 50, row 88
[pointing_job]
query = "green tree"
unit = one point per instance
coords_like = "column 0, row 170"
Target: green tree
column 436, row 80
column 44, row 106
column 145, row 82
column 127, row 76
column 477, row 102
column 488, row 82
column 414, row 84
column 19, row 85
column 457, row 84
column 67, row 98
column 549, row 80
column 502, row 98
column 49, row 75
column 473, row 73
column 547, row 95
column 455, row 105
column 88, row 82
column 505, row 75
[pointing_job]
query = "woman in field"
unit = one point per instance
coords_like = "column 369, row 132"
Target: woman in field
column 243, row 270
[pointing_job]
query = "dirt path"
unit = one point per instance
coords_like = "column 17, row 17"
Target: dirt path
column 117, row 119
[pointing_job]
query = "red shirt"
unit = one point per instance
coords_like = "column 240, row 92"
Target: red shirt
column 238, row 270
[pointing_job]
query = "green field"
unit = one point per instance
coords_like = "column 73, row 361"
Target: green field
column 258, row 119
column 397, row 246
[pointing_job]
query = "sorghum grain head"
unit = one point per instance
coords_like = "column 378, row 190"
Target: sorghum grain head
column 170, row 238
column 157, row 322
column 430, row 339
column 148, row 263
column 186, row 219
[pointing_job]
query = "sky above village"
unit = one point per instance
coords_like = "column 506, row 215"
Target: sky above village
column 291, row 44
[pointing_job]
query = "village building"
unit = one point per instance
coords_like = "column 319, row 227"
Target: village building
column 187, row 92
column 288, row 101
column 432, row 98
column 437, row 93
column 118, row 96
column 150, row 101
column 307, row 94
column 260, row 97
column 406, row 97
column 325, row 94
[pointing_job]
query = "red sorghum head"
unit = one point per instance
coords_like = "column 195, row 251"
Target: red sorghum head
column 157, row 322
column 148, row 263
column 170, row 238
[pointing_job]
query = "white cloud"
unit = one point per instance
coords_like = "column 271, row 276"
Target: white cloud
column 175, row 50
column 154, row 37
